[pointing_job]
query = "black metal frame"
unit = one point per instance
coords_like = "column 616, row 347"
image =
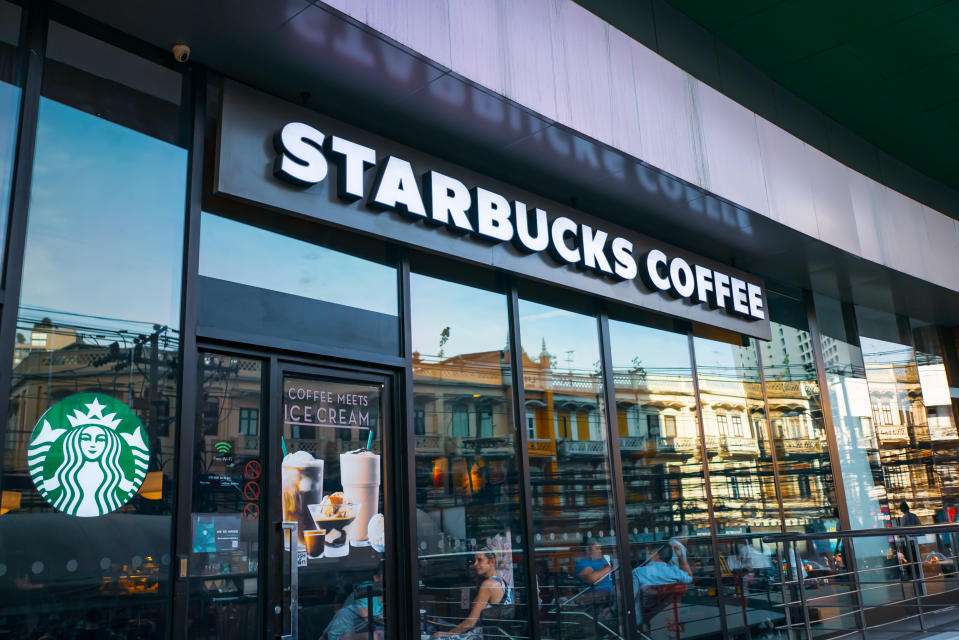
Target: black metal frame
column 713, row 530
column 278, row 355
column 522, row 447
column 616, row 470
column 33, row 41
column 188, row 386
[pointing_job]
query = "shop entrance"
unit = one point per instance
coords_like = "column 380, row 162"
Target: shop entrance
column 290, row 503
column 333, row 531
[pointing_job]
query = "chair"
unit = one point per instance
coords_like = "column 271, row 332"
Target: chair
column 500, row 621
column 654, row 599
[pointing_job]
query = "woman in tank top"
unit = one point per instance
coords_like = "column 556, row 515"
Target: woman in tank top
column 493, row 591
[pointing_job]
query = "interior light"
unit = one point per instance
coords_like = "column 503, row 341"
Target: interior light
column 152, row 487
column 10, row 501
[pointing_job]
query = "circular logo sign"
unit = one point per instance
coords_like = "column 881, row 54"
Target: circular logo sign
column 88, row 455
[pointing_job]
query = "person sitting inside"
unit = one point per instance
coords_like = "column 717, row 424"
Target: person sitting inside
column 594, row 570
column 909, row 519
column 353, row 616
column 651, row 575
column 493, row 592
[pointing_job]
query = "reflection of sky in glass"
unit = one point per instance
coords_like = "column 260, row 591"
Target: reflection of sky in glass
column 571, row 338
column 105, row 232
column 714, row 358
column 875, row 351
column 238, row 252
column 476, row 318
column 9, row 101
column 658, row 352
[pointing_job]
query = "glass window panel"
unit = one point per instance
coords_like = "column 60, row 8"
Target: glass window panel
column 570, row 475
column 852, row 414
column 9, row 107
column 85, row 72
column 802, row 454
column 258, row 282
column 740, row 466
column 666, row 510
column 799, row 432
column 227, row 501
column 241, row 253
column 867, row 500
column 904, row 446
column 935, row 410
column 741, row 478
column 98, row 316
column 468, row 513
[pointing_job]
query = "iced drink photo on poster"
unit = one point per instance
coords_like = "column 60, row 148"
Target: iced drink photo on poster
column 302, row 486
column 360, row 476
column 334, row 515
column 315, row 542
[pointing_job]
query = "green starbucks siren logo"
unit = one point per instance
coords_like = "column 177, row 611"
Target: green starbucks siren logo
column 88, row 455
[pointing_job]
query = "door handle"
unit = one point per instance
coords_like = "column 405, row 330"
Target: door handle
column 293, row 528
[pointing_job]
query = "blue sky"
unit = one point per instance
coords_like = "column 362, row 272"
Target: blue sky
column 477, row 318
column 237, row 252
column 571, row 338
column 105, row 231
column 661, row 352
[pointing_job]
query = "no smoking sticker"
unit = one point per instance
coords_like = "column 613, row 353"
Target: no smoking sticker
column 252, row 470
column 251, row 512
column 251, row 490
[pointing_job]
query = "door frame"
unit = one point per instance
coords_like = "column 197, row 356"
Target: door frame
column 398, row 476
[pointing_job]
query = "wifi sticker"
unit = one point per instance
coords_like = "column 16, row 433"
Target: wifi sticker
column 223, row 448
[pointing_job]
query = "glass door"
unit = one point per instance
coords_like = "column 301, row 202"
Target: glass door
column 327, row 500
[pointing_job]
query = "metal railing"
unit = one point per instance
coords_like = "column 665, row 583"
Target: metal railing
column 856, row 583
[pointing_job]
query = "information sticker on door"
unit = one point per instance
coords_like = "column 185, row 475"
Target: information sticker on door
column 301, row 557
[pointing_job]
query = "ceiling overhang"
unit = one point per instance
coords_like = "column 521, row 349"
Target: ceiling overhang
column 313, row 55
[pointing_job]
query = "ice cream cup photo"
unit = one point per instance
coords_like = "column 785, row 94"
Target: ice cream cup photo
column 334, row 515
column 360, row 476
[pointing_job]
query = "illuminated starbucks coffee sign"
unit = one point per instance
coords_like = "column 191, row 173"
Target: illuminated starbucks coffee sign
column 296, row 160
column 88, row 455
column 302, row 160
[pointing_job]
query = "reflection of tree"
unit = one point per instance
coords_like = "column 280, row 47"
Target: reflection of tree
column 444, row 338
column 637, row 367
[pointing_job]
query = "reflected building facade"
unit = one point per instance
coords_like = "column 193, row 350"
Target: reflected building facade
column 569, row 429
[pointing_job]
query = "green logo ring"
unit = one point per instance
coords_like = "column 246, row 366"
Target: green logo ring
column 88, row 454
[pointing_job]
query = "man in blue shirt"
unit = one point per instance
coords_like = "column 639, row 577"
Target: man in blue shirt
column 594, row 570
column 657, row 571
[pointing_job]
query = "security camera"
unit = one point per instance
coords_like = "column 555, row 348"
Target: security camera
column 181, row 52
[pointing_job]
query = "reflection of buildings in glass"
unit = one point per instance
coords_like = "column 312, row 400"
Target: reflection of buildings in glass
column 796, row 418
column 136, row 364
column 908, row 435
column 741, row 478
column 465, row 453
column 228, row 431
column 801, row 447
column 567, row 448
column 659, row 442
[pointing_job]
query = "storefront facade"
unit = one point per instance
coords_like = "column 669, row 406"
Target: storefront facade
column 273, row 369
